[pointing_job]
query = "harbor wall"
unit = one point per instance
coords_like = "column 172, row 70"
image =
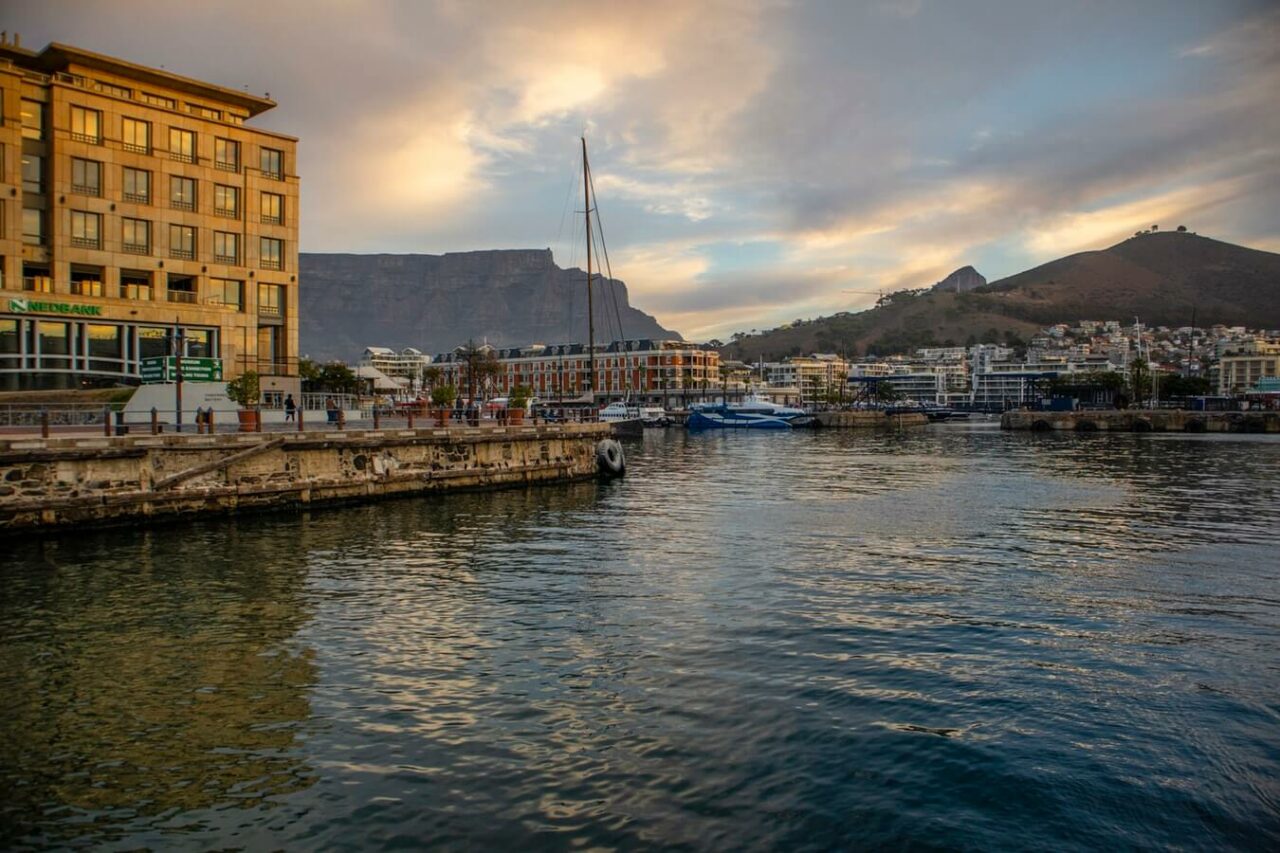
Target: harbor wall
column 869, row 419
column 61, row 483
column 1142, row 420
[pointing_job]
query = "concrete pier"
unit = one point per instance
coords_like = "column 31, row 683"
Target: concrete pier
column 63, row 482
column 1142, row 420
column 869, row 419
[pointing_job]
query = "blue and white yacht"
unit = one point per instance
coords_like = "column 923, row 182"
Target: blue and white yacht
column 753, row 413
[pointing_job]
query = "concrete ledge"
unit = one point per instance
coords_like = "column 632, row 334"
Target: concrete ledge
column 869, row 420
column 1142, row 420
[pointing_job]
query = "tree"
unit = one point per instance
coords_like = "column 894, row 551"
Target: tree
column 245, row 390
column 308, row 372
column 432, row 375
column 443, row 396
column 337, row 378
column 1181, row 387
column 1182, row 228
column 1139, row 380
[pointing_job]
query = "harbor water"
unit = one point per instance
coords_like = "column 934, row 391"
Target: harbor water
column 939, row 638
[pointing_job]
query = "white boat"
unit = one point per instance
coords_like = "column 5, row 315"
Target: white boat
column 754, row 412
column 654, row 416
column 624, row 419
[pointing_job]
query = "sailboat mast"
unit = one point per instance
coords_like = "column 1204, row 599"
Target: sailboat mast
column 591, row 314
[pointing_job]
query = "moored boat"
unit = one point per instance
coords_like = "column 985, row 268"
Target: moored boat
column 753, row 413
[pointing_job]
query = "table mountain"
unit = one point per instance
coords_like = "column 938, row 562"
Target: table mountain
column 507, row 297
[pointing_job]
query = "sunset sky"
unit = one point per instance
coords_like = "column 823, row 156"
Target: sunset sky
column 753, row 160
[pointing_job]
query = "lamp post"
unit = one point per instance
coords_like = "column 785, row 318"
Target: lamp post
column 176, row 346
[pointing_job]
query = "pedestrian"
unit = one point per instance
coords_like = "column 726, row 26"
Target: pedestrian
column 331, row 409
column 290, row 407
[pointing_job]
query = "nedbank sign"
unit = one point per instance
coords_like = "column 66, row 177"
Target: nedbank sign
column 22, row 305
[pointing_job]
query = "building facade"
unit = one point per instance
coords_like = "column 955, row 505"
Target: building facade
column 139, row 217
column 1244, row 366
column 406, row 364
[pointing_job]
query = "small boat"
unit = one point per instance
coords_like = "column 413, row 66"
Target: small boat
column 753, row 413
column 624, row 419
column 654, row 417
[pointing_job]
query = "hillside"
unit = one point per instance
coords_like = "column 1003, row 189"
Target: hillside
column 436, row 302
column 1158, row 277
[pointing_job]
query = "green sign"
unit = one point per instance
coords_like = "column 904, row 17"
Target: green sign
column 23, row 305
column 164, row 368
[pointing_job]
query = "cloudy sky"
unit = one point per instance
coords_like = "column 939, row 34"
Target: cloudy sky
column 754, row 160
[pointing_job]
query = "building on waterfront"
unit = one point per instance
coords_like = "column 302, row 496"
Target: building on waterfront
column 406, row 364
column 139, row 214
column 814, row 377
column 1244, row 365
column 667, row 373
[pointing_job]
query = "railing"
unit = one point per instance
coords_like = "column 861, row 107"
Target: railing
column 87, row 137
column 86, row 288
column 271, row 220
column 135, row 147
column 37, row 284
column 86, row 242
column 270, row 264
column 184, row 296
column 182, row 205
column 86, row 189
column 226, row 167
column 136, row 248
column 269, row 310
column 276, row 175
column 228, row 212
column 226, row 259
column 142, row 198
column 182, row 158
column 64, row 414
column 183, row 254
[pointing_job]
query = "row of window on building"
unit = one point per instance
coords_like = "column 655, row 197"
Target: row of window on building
column 141, row 286
column 136, row 135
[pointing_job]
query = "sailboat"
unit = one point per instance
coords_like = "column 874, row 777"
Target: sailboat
column 624, row 418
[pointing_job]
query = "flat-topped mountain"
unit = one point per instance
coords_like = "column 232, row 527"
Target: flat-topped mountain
column 1161, row 278
column 507, row 297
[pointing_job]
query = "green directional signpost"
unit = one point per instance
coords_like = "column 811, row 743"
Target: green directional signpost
column 164, row 368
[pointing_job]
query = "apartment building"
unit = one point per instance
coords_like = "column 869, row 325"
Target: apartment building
column 1245, row 365
column 140, row 216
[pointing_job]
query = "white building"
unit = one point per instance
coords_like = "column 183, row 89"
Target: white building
column 405, row 367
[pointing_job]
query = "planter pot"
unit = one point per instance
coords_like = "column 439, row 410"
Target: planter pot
column 442, row 416
column 250, row 420
column 516, row 416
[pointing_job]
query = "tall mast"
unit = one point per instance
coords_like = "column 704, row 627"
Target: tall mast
column 591, row 314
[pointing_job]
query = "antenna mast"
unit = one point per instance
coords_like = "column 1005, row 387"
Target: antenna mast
column 591, row 314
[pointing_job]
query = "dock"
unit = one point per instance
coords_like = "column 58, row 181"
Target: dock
column 870, row 419
column 59, row 483
column 1142, row 420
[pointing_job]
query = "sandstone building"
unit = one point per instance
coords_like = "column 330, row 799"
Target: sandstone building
column 140, row 214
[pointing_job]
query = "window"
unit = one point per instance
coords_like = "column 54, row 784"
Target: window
column 104, row 347
column 204, row 112
column 182, row 192
column 228, row 292
column 135, row 285
column 86, row 281
column 271, row 253
column 182, row 288
column 86, row 125
column 198, row 343
column 135, row 236
column 9, row 345
column 226, row 201
column 113, row 89
column 182, row 242
column 40, row 282
column 32, row 173
column 182, row 145
column 271, row 300
column 136, row 135
column 86, row 229
column 33, row 226
column 272, row 163
column 226, row 247
column 55, row 346
column 160, row 101
column 137, row 185
column 32, row 119
column 272, row 208
column 86, row 176
column 226, row 154
column 152, row 341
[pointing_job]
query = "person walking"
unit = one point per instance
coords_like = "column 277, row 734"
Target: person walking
column 290, row 408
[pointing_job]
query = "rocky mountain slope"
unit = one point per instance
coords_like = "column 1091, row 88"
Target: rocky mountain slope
column 961, row 281
column 437, row 302
column 1159, row 277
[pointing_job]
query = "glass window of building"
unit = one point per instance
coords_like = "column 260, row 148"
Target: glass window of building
column 182, row 192
column 182, row 145
column 271, row 300
column 137, row 185
column 10, row 346
column 136, row 135
column 153, row 341
column 226, row 247
column 55, row 345
column 86, row 229
column 182, row 242
column 86, row 281
column 113, row 89
column 33, row 226
column 198, row 343
column 226, row 154
column 135, row 236
column 104, row 347
column 160, row 101
column 36, row 279
column 271, row 253
column 226, row 201
column 270, row 349
column 272, row 163
column 135, row 285
column 86, row 125
column 272, row 208
column 228, row 292
column 32, row 119
column 205, row 112
column 32, row 173
column 86, row 176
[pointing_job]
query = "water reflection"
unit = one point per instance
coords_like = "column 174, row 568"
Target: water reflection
column 942, row 637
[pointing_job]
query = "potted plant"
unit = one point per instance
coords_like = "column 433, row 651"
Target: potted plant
column 245, row 390
column 443, row 396
column 517, row 401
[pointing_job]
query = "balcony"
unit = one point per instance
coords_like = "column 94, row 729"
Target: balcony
column 228, row 212
column 226, row 259
column 269, row 311
column 187, row 297
column 271, row 264
column 86, row 189
column 135, row 147
column 92, row 139
column 271, row 220
column 136, row 248
column 183, row 254
column 37, row 284
column 226, row 166
column 86, row 242
column 182, row 158
column 182, row 205
column 140, row 198
column 275, row 175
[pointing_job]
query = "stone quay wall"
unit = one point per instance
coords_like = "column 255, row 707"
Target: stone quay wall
column 870, row 419
column 62, row 483
column 1142, row 420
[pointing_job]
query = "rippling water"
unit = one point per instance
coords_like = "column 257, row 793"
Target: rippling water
column 949, row 637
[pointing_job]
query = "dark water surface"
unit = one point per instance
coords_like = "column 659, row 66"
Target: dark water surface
column 952, row 637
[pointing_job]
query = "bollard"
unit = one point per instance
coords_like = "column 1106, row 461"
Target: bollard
column 208, row 421
column 155, row 421
column 300, row 408
column 410, row 414
column 257, row 422
column 106, row 421
column 199, row 420
column 377, row 417
column 342, row 418
column 44, row 423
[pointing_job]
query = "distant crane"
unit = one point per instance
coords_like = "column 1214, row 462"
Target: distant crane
column 877, row 293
